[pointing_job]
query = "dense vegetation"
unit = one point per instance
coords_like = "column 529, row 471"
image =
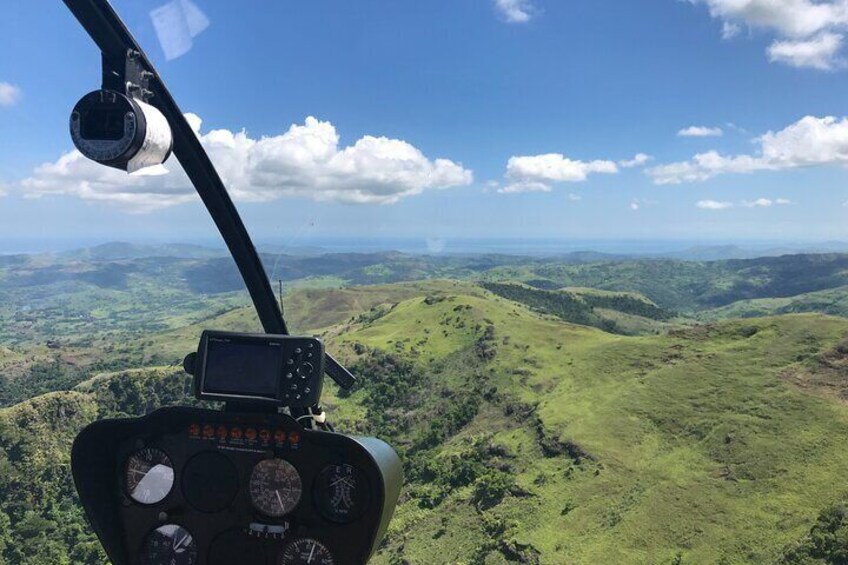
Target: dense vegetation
column 528, row 433
column 42, row 523
column 585, row 308
column 61, row 296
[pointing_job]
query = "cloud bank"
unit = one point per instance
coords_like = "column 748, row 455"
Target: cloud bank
column 758, row 203
column 808, row 33
column 810, row 141
column 700, row 131
column 713, row 205
column 537, row 173
column 305, row 161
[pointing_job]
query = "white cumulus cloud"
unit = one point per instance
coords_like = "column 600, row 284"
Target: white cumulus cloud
column 9, row 94
column 766, row 202
column 713, row 205
column 536, row 173
column 638, row 160
column 515, row 11
column 810, row 141
column 758, row 203
column 700, row 131
column 808, row 32
column 729, row 30
column 524, row 186
column 820, row 52
column 305, row 161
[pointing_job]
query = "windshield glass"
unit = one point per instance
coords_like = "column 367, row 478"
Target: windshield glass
column 586, row 259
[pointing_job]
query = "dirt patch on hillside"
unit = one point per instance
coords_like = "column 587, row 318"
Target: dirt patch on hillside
column 825, row 373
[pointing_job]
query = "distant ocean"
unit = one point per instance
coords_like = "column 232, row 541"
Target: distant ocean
column 434, row 246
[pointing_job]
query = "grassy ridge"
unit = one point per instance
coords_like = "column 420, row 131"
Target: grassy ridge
column 696, row 443
column 46, row 297
column 610, row 311
column 525, row 437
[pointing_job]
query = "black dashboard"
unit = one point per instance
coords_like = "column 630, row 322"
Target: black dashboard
column 186, row 486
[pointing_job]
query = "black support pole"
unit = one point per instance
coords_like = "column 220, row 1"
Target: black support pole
column 115, row 41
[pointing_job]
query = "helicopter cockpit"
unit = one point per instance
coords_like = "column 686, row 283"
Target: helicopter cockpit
column 265, row 480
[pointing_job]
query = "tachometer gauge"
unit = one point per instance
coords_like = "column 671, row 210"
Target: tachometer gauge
column 306, row 552
column 275, row 487
column 169, row 545
column 149, row 476
column 341, row 493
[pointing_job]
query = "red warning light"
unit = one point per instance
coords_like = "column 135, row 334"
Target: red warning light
column 294, row 437
column 194, row 430
column 250, row 434
column 235, row 433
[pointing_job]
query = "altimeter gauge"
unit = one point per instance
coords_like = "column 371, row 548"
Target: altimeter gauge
column 149, row 476
column 275, row 487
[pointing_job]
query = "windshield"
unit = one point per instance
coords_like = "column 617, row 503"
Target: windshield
column 586, row 259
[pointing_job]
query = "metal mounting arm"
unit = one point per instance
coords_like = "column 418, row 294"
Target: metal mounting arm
column 117, row 45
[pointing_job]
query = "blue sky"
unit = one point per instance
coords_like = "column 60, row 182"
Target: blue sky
column 455, row 118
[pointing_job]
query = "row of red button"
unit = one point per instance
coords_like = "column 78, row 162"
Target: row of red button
column 223, row 433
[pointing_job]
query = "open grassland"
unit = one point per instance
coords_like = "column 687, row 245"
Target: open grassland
column 696, row 443
column 526, row 438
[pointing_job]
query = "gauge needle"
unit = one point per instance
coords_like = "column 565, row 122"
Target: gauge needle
column 280, row 499
column 178, row 544
column 311, row 553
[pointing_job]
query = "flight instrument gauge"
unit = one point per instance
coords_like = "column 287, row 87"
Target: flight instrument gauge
column 169, row 545
column 306, row 551
column 341, row 493
column 275, row 487
column 149, row 476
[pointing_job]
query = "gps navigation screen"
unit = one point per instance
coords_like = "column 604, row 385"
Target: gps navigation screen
column 242, row 367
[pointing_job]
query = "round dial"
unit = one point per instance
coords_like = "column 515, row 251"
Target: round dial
column 104, row 125
column 169, row 545
column 149, row 476
column 341, row 492
column 306, row 551
column 275, row 487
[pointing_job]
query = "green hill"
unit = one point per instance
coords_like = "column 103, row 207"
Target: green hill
column 716, row 442
column 119, row 290
column 614, row 312
column 525, row 438
column 832, row 301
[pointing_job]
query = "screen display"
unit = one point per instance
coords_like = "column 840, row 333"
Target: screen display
column 246, row 367
column 104, row 123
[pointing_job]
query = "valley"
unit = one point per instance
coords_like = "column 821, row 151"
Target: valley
column 547, row 411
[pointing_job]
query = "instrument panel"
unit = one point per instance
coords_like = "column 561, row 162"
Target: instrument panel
column 187, row 486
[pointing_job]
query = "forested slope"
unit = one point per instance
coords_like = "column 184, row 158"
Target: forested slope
column 527, row 438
